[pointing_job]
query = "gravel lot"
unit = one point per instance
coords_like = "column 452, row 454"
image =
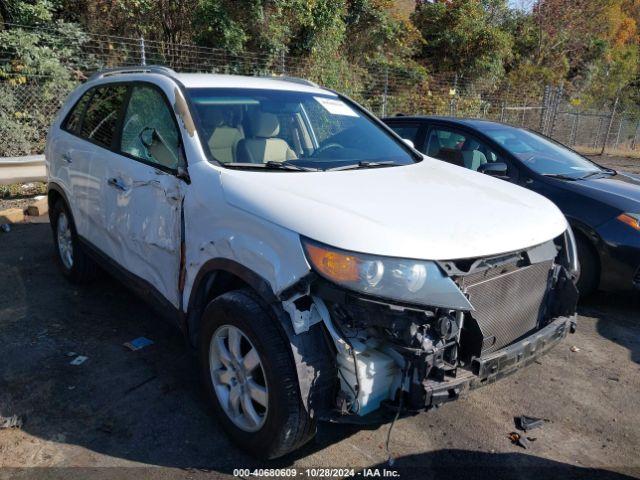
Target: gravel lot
column 141, row 414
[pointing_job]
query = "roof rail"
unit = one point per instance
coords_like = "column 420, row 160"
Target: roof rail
column 285, row 78
column 107, row 72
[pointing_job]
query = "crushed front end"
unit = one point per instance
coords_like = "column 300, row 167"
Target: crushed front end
column 396, row 355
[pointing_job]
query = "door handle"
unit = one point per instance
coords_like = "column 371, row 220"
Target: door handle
column 67, row 158
column 115, row 183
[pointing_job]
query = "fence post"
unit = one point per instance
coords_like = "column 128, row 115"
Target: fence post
column 574, row 128
column 595, row 139
column 613, row 113
column 385, row 91
column 635, row 136
column 543, row 110
column 619, row 132
column 143, row 56
column 502, row 111
column 556, row 104
column 283, row 67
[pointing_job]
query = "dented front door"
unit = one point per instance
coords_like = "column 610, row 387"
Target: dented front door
column 142, row 197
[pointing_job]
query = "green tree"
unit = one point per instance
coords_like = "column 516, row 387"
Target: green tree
column 464, row 36
column 42, row 66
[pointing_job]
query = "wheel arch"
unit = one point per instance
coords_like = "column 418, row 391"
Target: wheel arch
column 313, row 357
column 56, row 192
column 591, row 238
column 216, row 277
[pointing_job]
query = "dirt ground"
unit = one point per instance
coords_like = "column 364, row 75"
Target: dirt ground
column 625, row 164
column 125, row 414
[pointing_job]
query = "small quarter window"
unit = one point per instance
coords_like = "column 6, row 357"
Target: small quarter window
column 72, row 122
column 101, row 118
column 149, row 130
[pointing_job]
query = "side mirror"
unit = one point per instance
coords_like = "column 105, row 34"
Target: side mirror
column 409, row 142
column 497, row 169
column 158, row 148
column 147, row 136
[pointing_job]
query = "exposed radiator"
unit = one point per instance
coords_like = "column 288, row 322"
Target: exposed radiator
column 508, row 302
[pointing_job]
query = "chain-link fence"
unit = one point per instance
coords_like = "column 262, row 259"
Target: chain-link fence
column 29, row 99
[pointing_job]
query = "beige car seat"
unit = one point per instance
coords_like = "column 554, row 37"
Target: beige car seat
column 264, row 147
column 473, row 159
column 223, row 142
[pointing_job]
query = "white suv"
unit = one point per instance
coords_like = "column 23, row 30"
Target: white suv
column 321, row 267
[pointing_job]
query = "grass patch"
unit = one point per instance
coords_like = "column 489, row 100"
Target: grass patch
column 21, row 190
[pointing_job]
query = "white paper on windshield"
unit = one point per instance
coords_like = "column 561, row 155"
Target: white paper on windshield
column 336, row 106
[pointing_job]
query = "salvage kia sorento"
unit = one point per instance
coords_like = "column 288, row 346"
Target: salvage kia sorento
column 321, row 267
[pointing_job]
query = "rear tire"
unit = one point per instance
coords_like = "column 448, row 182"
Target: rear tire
column 72, row 260
column 589, row 268
column 283, row 425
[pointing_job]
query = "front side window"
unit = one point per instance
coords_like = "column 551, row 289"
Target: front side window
column 542, row 155
column 309, row 130
column 101, row 117
column 149, row 130
column 459, row 148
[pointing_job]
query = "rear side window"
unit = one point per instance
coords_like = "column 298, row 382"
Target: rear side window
column 72, row 122
column 101, row 117
column 461, row 149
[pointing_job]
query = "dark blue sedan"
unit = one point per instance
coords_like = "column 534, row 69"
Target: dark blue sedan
column 601, row 204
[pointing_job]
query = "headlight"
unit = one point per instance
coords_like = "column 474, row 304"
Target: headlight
column 631, row 219
column 410, row 281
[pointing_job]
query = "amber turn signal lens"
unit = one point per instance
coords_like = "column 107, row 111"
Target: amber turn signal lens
column 334, row 265
column 629, row 220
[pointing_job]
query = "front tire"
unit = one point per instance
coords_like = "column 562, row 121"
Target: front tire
column 589, row 268
column 250, row 376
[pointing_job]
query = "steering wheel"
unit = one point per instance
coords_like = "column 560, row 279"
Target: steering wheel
column 326, row 147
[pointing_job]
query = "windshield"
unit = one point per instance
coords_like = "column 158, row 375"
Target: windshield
column 542, row 155
column 297, row 130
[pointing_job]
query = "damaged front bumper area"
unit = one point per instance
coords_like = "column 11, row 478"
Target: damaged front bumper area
column 501, row 363
column 485, row 371
column 394, row 358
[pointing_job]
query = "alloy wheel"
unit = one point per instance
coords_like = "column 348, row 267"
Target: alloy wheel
column 238, row 378
column 65, row 242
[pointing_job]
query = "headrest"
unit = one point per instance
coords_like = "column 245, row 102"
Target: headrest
column 224, row 137
column 265, row 125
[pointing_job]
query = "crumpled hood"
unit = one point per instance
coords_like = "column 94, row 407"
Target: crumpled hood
column 428, row 210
